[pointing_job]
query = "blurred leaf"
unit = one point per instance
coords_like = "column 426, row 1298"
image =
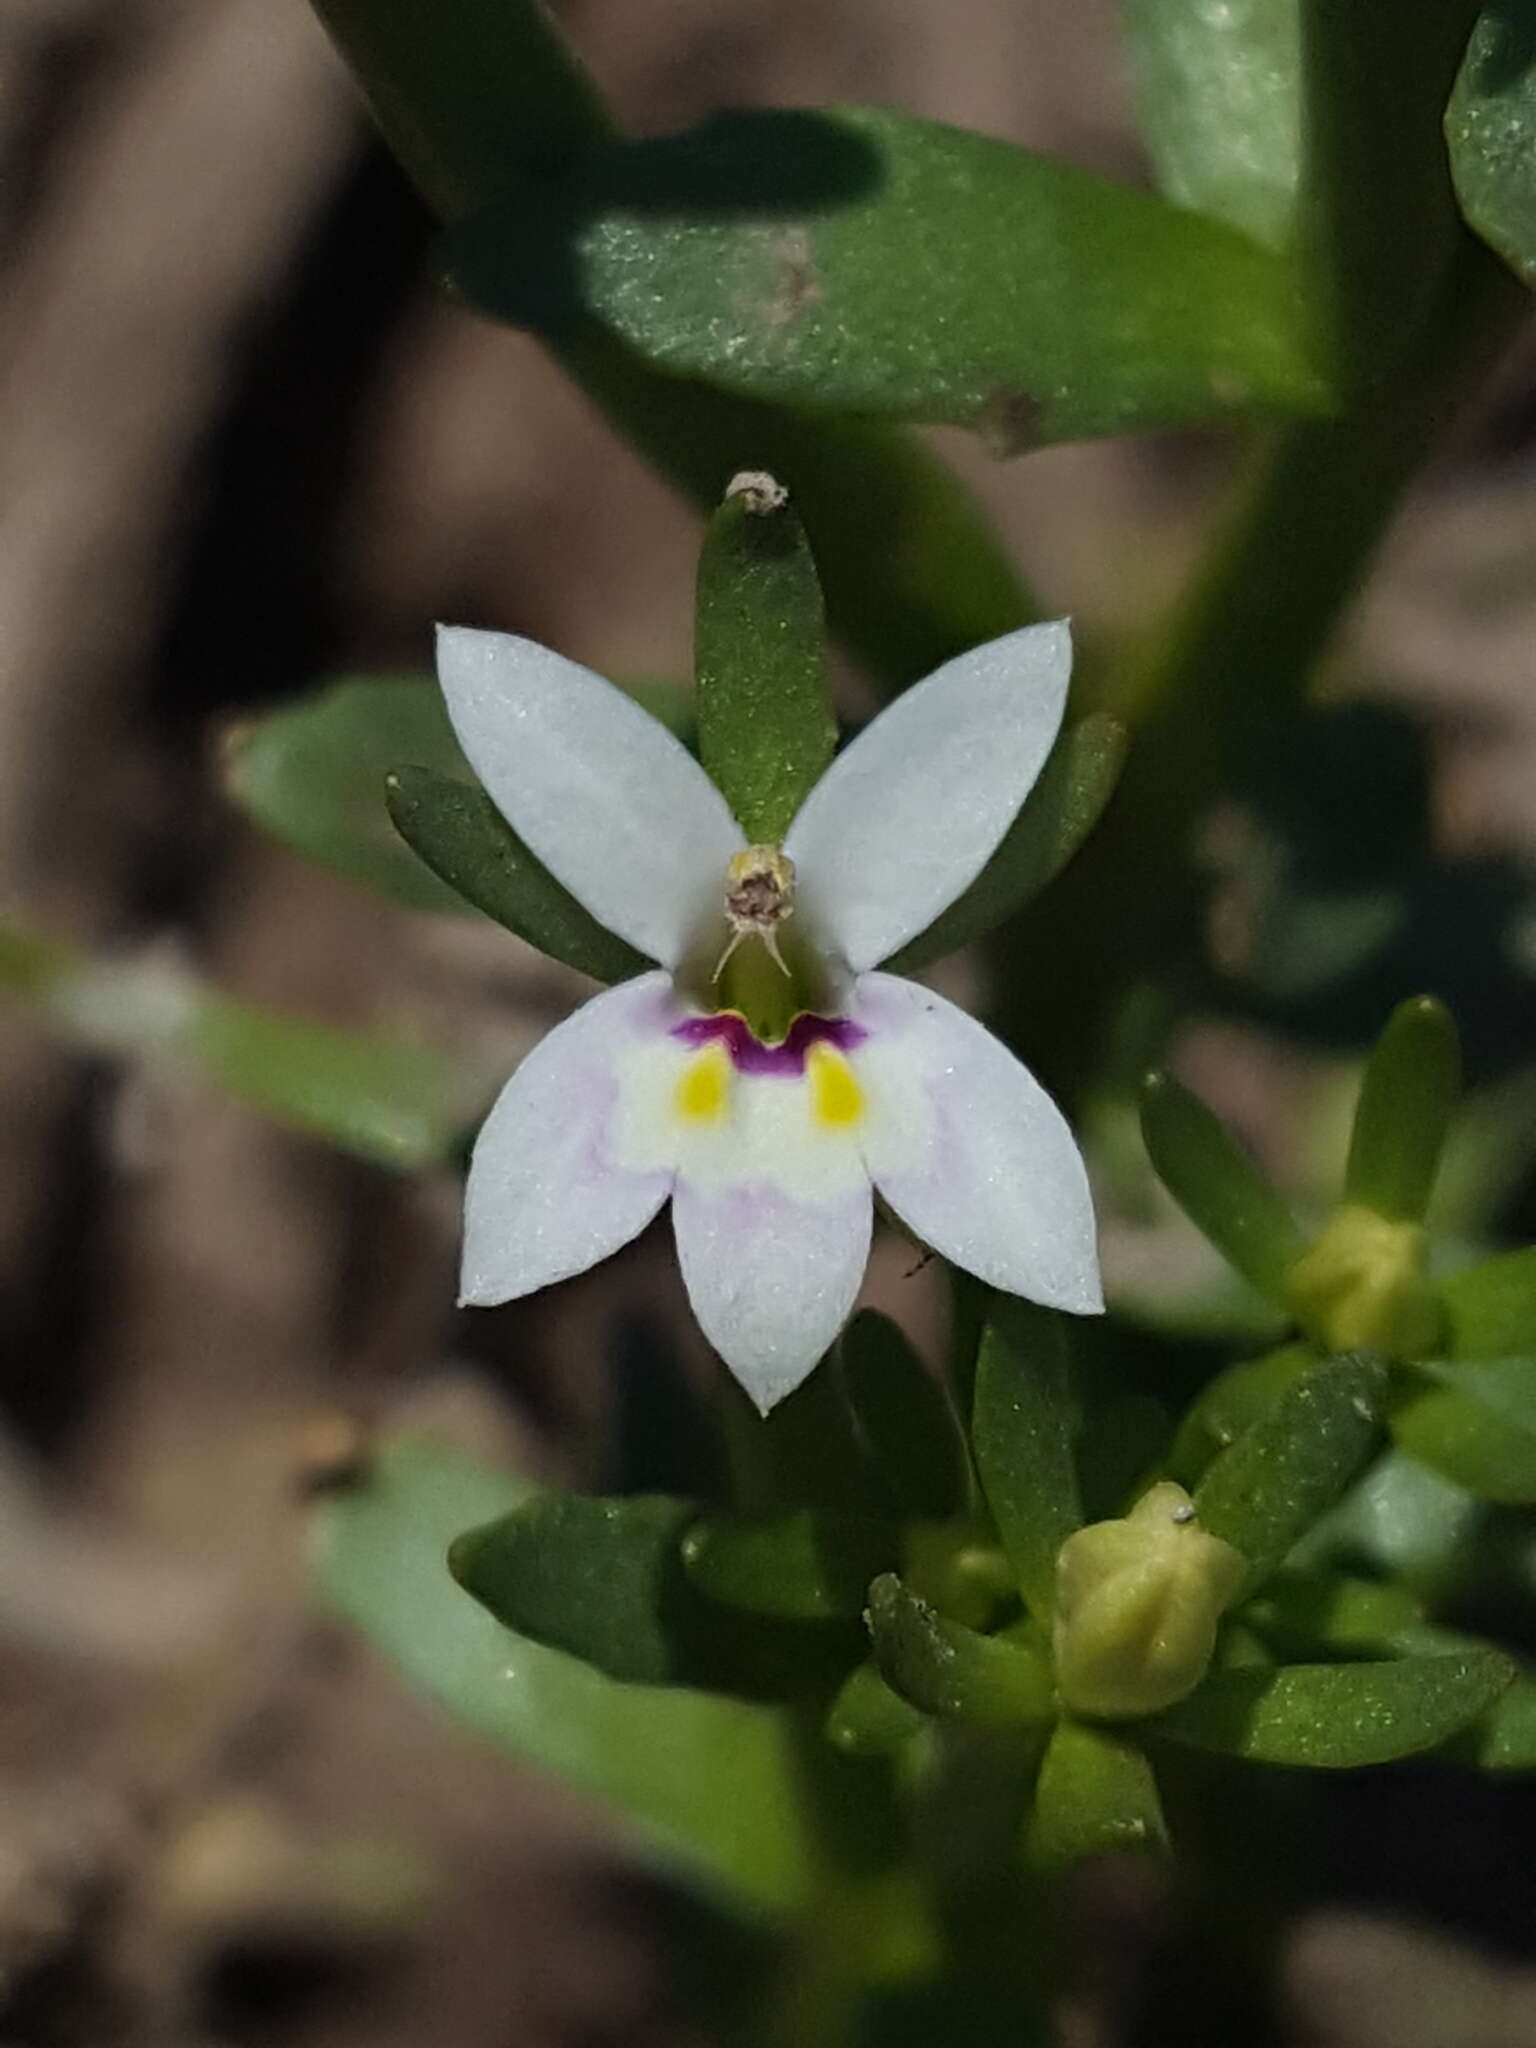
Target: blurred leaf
column 1490, row 126
column 766, row 729
column 1506, row 1739
column 803, row 1565
column 1407, row 1098
column 1312, row 1614
column 950, row 1671
column 1402, row 1521
column 1477, row 1425
column 708, row 1781
column 1095, row 1796
column 1122, row 1449
column 1491, row 1308
column 1058, row 814
column 312, row 774
column 1264, row 1492
column 1232, row 1402
column 1022, row 1431
column 1337, row 1716
column 867, row 1718
column 774, row 253
column 903, row 1416
column 456, row 829
column 396, row 1105
column 1219, row 94
column 1218, row 1186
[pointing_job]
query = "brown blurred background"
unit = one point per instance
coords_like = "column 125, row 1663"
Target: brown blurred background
column 245, row 445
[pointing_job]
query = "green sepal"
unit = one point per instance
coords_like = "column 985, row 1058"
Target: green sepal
column 1232, row 1402
column 1476, row 1424
column 1407, row 1097
column 1023, row 1423
column 903, row 1417
column 710, row 1783
column 603, row 1580
column 1096, row 1795
column 456, row 829
column 766, row 729
column 772, row 253
column 1218, row 1186
column 1060, row 811
column 942, row 1668
column 1337, row 1716
column 801, row 1565
column 868, row 1719
column 1265, row 1491
column 1490, row 127
column 1491, row 1309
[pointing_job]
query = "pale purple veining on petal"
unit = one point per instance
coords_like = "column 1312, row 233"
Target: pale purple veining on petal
column 749, row 1055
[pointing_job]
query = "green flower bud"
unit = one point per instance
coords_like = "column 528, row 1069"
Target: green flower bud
column 1363, row 1286
column 1137, row 1603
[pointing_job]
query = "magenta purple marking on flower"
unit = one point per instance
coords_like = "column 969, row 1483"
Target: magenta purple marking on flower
column 749, row 1055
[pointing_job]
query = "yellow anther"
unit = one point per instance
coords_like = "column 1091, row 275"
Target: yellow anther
column 704, row 1087
column 836, row 1098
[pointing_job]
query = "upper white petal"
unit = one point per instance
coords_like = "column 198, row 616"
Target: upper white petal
column 615, row 807
column 546, row 1196
column 772, row 1280
column 908, row 815
column 970, row 1151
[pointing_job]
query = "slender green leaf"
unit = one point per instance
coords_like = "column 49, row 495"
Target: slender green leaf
column 803, row 1565
column 1264, row 1492
column 1022, row 1430
column 456, row 829
column 1491, row 1308
column 1407, row 1097
column 1314, row 1614
column 1337, row 1716
column 708, row 1782
column 903, row 1416
column 867, row 1718
column 1095, row 1796
column 1219, row 93
column 1490, row 126
column 943, row 1668
column 1058, row 814
column 312, row 774
column 1218, row 1186
column 396, row 1105
column 766, row 729
column 773, row 253
column 1477, row 1425
column 1232, row 1402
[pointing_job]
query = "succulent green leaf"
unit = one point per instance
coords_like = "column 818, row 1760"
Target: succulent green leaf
column 1337, row 1716
column 1231, row 1403
column 1491, row 1308
column 766, row 729
column 1219, row 94
column 1407, row 1098
column 1218, row 1186
column 1476, row 1424
column 1056, row 817
column 903, row 1416
column 945, row 1669
column 1490, row 126
column 774, row 254
column 1264, row 1492
column 1022, row 1431
column 1095, row 1796
column 456, row 829
column 396, row 1105
column 708, row 1783
column 803, row 1565
column 312, row 774
column 867, row 1718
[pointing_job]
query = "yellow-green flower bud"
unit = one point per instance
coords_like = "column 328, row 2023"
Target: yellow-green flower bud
column 1137, row 1603
column 1363, row 1286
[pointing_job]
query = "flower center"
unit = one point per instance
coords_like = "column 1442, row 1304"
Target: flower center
column 759, row 896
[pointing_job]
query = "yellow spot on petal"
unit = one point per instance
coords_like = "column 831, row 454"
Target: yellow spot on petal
column 704, row 1089
column 836, row 1099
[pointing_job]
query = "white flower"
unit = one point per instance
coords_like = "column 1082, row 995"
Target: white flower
column 770, row 1152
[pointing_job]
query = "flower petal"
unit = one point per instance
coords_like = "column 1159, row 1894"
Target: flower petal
column 907, row 816
column 618, row 811
column 771, row 1280
column 970, row 1151
column 546, row 1197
